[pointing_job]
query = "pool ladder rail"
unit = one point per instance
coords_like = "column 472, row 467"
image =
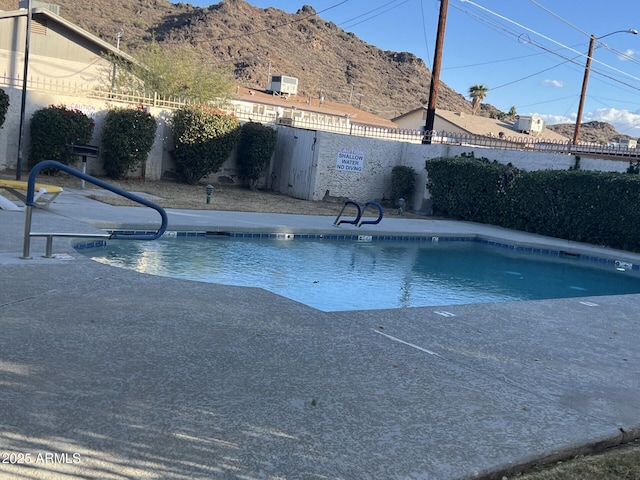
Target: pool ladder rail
column 29, row 204
column 359, row 221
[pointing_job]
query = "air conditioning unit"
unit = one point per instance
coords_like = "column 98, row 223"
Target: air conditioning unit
column 285, row 121
column 281, row 84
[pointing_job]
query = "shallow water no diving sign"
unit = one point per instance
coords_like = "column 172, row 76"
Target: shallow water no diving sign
column 350, row 160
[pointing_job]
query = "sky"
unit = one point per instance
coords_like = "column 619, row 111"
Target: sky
column 530, row 54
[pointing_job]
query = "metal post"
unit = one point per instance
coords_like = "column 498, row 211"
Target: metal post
column 24, row 92
column 84, row 170
column 435, row 73
column 26, row 245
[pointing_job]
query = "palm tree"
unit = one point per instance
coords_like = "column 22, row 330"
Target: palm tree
column 477, row 94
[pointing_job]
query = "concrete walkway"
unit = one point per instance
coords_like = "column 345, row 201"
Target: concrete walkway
column 107, row 373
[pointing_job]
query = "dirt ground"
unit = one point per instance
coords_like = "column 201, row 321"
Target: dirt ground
column 171, row 194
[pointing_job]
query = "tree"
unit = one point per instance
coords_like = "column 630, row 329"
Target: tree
column 174, row 70
column 512, row 111
column 477, row 94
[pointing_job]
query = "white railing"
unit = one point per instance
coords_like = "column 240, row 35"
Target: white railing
column 338, row 124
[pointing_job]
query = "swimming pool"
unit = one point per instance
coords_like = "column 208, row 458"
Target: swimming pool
column 334, row 275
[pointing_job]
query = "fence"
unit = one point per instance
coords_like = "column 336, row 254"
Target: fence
column 338, row 124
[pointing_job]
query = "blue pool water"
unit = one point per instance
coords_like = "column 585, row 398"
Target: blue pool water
column 336, row 275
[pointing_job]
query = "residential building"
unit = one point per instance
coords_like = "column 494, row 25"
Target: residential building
column 467, row 124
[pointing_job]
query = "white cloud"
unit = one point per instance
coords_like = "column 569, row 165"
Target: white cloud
column 554, row 119
column 553, row 83
column 624, row 121
column 628, row 54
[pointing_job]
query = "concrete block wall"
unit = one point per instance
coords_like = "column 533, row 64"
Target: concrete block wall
column 96, row 109
column 371, row 177
column 380, row 156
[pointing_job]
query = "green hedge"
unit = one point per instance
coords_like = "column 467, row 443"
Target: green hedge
column 53, row 129
column 4, row 106
column 127, row 138
column 203, row 139
column 255, row 148
column 403, row 182
column 585, row 206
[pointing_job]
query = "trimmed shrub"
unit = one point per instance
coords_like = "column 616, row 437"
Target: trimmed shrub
column 127, row 138
column 469, row 188
column 4, row 106
column 403, row 183
column 578, row 205
column 255, row 149
column 55, row 127
column 203, row 138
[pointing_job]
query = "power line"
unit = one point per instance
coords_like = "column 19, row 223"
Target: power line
column 549, row 39
column 389, row 5
column 560, row 18
column 424, row 31
column 621, row 54
column 274, row 27
column 531, row 75
column 493, row 61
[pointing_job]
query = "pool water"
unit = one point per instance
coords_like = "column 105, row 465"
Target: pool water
column 337, row 275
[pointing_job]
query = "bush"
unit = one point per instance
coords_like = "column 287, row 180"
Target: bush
column 403, row 182
column 127, row 138
column 203, row 139
column 584, row 206
column 469, row 188
column 55, row 127
column 4, row 106
column 255, row 149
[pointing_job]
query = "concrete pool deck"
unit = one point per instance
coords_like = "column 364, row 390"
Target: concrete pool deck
column 108, row 373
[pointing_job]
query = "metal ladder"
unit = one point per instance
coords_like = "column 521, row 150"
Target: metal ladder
column 358, row 221
column 29, row 204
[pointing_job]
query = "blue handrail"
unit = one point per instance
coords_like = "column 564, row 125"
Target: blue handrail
column 372, row 222
column 355, row 221
column 76, row 173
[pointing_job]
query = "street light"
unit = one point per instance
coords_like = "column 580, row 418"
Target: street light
column 587, row 69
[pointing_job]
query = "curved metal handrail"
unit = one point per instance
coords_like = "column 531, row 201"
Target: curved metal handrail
column 355, row 221
column 372, row 222
column 29, row 203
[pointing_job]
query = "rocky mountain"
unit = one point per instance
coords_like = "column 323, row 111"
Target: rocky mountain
column 595, row 132
column 253, row 42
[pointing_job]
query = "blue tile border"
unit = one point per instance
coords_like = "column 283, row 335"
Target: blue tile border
column 361, row 238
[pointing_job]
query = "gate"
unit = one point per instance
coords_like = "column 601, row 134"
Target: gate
column 295, row 162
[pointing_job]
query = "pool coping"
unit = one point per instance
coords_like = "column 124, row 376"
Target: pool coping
column 601, row 255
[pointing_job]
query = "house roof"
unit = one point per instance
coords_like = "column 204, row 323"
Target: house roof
column 49, row 15
column 313, row 105
column 478, row 125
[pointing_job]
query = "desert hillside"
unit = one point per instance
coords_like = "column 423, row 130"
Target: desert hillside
column 327, row 60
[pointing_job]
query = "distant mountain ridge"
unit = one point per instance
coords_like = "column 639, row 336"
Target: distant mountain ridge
column 254, row 42
column 594, row 132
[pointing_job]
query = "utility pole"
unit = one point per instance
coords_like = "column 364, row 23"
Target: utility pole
column 585, row 80
column 115, row 65
column 435, row 72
